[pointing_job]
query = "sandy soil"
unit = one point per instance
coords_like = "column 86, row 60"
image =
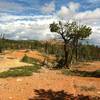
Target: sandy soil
column 18, row 54
column 10, row 59
column 22, row 88
column 89, row 66
column 8, row 63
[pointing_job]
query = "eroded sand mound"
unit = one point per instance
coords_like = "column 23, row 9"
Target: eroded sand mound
column 11, row 59
column 6, row 64
column 18, row 54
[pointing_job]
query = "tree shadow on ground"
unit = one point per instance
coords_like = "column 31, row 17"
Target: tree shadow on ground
column 59, row 95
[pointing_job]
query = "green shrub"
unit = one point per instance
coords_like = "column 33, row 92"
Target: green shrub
column 29, row 59
column 85, row 88
column 20, row 71
column 81, row 73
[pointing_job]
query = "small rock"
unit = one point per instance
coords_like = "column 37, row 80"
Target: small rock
column 98, row 92
column 10, row 98
column 19, row 80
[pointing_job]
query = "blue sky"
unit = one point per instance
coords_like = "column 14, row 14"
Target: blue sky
column 32, row 7
column 30, row 19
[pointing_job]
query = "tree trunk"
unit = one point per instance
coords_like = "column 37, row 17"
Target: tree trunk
column 76, row 50
column 71, row 55
column 66, row 64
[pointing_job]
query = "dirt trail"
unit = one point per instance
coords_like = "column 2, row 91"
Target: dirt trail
column 22, row 88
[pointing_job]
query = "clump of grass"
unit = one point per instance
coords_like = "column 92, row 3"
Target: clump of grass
column 20, row 71
column 85, row 88
column 81, row 73
column 68, row 72
column 29, row 59
column 80, row 64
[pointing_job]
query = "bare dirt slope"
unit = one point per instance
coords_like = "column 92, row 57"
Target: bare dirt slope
column 8, row 60
column 11, row 59
column 6, row 64
column 23, row 88
column 18, row 54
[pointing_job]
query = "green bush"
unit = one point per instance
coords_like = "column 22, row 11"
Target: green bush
column 29, row 59
column 20, row 71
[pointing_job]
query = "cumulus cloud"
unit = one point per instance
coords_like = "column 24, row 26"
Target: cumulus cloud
column 26, row 27
column 48, row 8
column 92, row 19
column 73, row 6
column 88, row 17
column 95, row 14
column 37, row 26
column 67, row 12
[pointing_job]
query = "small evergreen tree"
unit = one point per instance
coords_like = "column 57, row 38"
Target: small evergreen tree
column 70, row 33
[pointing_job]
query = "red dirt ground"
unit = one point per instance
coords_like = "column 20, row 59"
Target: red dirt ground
column 89, row 66
column 34, row 54
column 23, row 88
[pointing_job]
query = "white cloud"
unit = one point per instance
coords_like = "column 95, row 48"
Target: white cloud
column 26, row 27
column 89, row 17
column 67, row 12
column 37, row 27
column 92, row 19
column 48, row 8
column 95, row 14
column 73, row 6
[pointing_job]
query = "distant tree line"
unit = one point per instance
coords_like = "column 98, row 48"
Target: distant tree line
column 85, row 52
column 6, row 44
